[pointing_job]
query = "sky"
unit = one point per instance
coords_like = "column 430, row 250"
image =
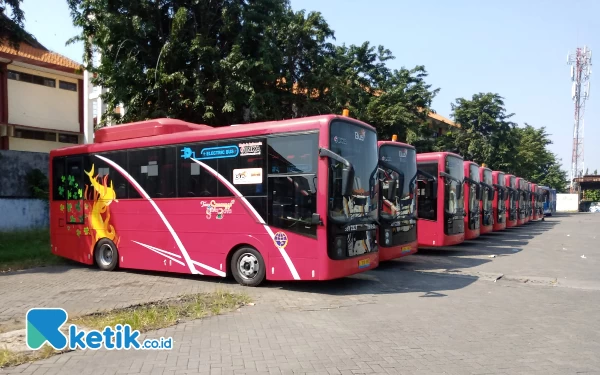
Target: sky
column 515, row 48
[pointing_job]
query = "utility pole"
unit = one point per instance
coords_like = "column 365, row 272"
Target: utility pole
column 581, row 62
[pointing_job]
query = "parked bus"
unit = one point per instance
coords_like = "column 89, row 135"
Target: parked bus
column 486, row 181
column 440, row 206
column 512, row 212
column 282, row 200
column 548, row 200
column 535, row 203
column 531, row 200
column 529, row 213
column 472, row 197
column 397, row 200
column 520, row 186
column 499, row 200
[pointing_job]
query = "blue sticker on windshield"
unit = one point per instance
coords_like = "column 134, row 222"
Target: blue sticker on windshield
column 211, row 152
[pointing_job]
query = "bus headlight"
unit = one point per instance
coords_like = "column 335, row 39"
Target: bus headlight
column 340, row 247
column 388, row 236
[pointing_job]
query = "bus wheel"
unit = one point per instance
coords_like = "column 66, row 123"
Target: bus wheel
column 106, row 255
column 248, row 267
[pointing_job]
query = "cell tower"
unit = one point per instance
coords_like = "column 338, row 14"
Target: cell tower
column 581, row 62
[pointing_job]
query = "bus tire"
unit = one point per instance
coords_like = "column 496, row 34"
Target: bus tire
column 106, row 255
column 248, row 267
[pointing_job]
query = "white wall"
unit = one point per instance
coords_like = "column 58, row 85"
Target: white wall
column 41, row 106
column 567, row 202
column 34, row 145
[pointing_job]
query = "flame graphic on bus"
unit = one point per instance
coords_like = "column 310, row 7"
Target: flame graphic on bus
column 99, row 216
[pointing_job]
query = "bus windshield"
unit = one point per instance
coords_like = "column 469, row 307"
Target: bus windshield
column 487, row 179
column 512, row 202
column 473, row 175
column 454, row 202
column 359, row 146
column 501, row 202
column 404, row 159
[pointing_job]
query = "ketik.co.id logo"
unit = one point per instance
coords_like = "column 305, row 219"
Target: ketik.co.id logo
column 44, row 326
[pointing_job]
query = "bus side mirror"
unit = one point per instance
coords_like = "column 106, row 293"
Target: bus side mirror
column 347, row 180
column 392, row 187
column 490, row 194
column 478, row 192
column 316, row 219
column 459, row 191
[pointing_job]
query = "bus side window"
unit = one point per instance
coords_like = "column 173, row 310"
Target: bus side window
column 292, row 182
column 154, row 171
column 73, row 189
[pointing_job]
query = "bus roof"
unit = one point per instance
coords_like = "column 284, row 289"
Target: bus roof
column 394, row 143
column 435, row 155
column 165, row 131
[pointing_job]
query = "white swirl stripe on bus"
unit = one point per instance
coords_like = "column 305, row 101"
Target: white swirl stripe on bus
column 236, row 192
column 162, row 252
column 142, row 192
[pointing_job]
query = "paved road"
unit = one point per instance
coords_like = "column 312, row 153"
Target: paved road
column 532, row 309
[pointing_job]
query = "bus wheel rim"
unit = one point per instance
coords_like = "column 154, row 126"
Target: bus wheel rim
column 248, row 266
column 106, row 254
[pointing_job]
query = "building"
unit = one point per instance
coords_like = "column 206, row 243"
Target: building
column 440, row 124
column 41, row 98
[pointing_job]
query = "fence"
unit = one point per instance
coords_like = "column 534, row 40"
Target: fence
column 17, row 209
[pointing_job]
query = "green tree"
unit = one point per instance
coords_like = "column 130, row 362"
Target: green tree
column 486, row 134
column 12, row 28
column 217, row 62
column 233, row 61
column 403, row 105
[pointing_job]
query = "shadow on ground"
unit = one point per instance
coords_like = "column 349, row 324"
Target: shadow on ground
column 406, row 275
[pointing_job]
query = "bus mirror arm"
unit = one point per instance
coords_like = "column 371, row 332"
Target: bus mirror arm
column 315, row 219
column 347, row 170
column 392, row 193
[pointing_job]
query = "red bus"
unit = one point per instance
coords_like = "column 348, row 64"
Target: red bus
column 499, row 200
column 397, row 200
column 521, row 204
column 535, row 207
column 282, row 200
column 512, row 212
column 472, row 191
column 486, row 181
column 530, row 190
column 440, row 206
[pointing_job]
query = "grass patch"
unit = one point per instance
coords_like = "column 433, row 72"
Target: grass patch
column 26, row 249
column 145, row 317
column 152, row 316
column 8, row 358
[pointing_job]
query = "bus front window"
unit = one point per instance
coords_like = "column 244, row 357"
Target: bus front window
column 473, row 201
column 454, row 196
column 404, row 202
column 359, row 146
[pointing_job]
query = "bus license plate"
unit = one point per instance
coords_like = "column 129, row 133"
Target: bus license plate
column 364, row 263
column 406, row 249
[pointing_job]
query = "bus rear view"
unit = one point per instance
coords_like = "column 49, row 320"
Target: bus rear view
column 440, row 204
column 397, row 196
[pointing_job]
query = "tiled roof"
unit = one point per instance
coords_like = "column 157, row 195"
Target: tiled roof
column 36, row 54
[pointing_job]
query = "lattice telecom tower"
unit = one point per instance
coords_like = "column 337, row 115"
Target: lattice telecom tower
column 581, row 62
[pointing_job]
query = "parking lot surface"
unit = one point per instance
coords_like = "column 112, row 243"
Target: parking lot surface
column 523, row 301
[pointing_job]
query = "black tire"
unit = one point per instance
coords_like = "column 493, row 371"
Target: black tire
column 106, row 255
column 248, row 267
